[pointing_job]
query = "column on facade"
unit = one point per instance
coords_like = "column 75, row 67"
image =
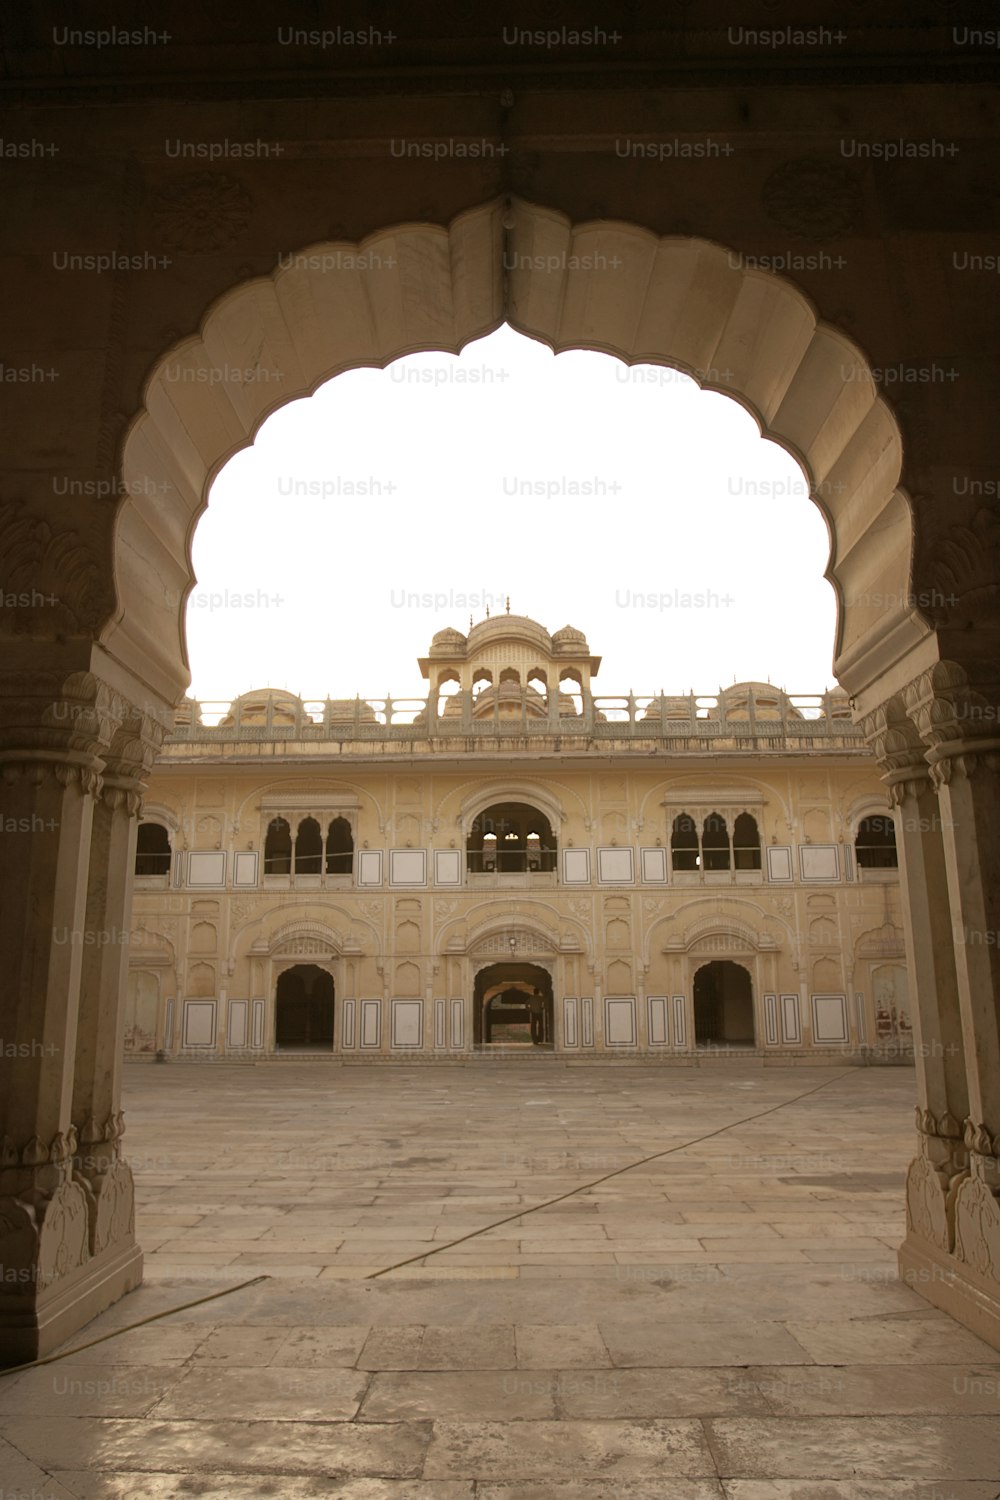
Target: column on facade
column 52, row 750
column 942, row 1095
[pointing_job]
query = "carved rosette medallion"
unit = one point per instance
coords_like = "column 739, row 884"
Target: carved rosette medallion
column 200, row 212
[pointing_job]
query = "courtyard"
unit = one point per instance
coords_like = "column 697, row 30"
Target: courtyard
column 724, row 1320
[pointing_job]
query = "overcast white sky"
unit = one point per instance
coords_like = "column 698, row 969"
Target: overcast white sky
column 704, row 566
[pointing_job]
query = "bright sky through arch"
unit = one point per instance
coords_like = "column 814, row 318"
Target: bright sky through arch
column 648, row 513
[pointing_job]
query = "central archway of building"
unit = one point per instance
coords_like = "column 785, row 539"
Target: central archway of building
column 723, row 1005
column 303, row 1010
column 513, row 1007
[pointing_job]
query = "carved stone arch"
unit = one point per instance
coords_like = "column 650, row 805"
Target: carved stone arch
column 674, row 298
column 510, row 789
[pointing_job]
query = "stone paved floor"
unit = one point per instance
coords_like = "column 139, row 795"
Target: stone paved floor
column 723, row 1322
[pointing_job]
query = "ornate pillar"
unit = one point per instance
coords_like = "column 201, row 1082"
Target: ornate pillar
column 55, row 746
column 942, row 1096
column 955, row 710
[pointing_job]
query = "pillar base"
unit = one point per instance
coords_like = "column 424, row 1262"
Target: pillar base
column 31, row 1330
column 956, row 1288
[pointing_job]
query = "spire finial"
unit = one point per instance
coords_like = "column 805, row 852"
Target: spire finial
column 487, row 611
column 508, row 604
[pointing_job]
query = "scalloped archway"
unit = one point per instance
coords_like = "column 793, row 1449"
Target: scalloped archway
column 611, row 287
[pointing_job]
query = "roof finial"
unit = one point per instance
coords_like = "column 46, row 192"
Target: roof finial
column 470, row 622
column 487, row 611
column 508, row 604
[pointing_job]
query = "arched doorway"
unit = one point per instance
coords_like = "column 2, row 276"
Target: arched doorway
column 513, row 1006
column 723, row 1005
column 303, row 1010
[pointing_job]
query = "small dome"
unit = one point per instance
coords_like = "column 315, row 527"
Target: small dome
column 569, row 638
column 448, row 640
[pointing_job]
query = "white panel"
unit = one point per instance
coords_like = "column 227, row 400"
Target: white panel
column 207, row 867
column 848, row 862
column 654, row 866
column 859, row 1003
column 771, row 1020
column 347, row 1038
column 659, row 1034
column 830, row 1018
column 371, row 1023
column 238, row 1017
column 257, row 1032
column 407, row 1023
column 819, row 862
column 587, row 1020
column 619, row 1022
column 439, row 1020
column 447, row 867
column 168, row 1034
column 791, row 1020
column 199, row 1023
column 407, row 866
column 369, row 867
column 245, row 868
column 458, row 1023
column 680, row 1021
column 570, row 1037
column 615, row 866
column 779, row 862
column 576, row 866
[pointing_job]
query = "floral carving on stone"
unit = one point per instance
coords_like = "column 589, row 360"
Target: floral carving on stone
column 63, row 1236
column 813, row 196
column 53, row 571
column 977, row 1228
column 926, row 1194
column 203, row 211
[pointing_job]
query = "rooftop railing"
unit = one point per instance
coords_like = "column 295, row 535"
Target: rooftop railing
column 515, row 714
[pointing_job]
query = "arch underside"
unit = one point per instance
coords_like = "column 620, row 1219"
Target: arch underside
column 610, row 287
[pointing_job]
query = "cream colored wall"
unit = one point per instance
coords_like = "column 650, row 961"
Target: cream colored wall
column 796, row 937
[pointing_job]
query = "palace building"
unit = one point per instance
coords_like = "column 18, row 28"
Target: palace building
column 517, row 863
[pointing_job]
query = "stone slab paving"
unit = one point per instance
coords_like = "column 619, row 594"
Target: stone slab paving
column 723, row 1323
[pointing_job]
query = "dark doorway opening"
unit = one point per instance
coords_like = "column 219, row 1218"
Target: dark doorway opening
column 304, row 1009
column 513, row 1006
column 723, row 1005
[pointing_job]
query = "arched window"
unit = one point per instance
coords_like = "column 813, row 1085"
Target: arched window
column 875, row 845
column 152, row 850
column 278, row 848
column 308, row 848
column 746, row 843
column 715, row 843
column 339, row 848
column 684, row 851
column 511, row 838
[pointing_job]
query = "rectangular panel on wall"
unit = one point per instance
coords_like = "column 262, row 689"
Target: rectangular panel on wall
column 571, row 1037
column 407, row 1023
column 168, row 1027
column 848, row 862
column 371, row 1023
column 791, row 1019
column 779, row 862
column 830, row 1018
column 206, row 867
column 458, row 1023
column 447, row 867
column 407, row 866
column 771, row 1020
column 349, row 1022
column 245, row 868
column 370, row 867
column 859, row 1006
column 619, row 1021
column 653, row 866
column 238, row 1017
column 257, row 1024
column 439, row 1022
column 199, row 1023
column 616, row 866
column 819, row 862
column 680, row 1021
column 659, row 1033
column 587, row 1020
column 576, row 867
